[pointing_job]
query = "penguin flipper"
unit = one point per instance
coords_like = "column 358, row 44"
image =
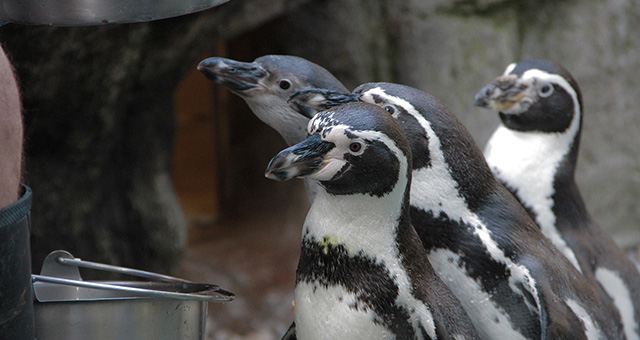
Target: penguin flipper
column 291, row 333
column 308, row 102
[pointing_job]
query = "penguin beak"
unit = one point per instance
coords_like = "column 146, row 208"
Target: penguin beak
column 234, row 75
column 308, row 102
column 503, row 93
column 301, row 160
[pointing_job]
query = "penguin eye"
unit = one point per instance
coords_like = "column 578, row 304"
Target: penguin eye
column 546, row 90
column 355, row 147
column 285, row 84
column 390, row 109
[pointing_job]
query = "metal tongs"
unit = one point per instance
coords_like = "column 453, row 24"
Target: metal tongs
column 61, row 268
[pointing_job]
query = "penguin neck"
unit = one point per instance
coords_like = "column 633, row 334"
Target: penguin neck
column 361, row 223
column 534, row 165
column 452, row 174
column 447, row 183
column 274, row 112
column 538, row 168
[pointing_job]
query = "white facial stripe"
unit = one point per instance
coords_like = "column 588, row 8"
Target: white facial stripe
column 368, row 97
column 591, row 330
column 338, row 134
column 509, row 68
column 330, row 167
column 613, row 284
column 316, row 100
column 433, row 189
column 530, row 94
column 528, row 161
column 555, row 79
column 334, row 160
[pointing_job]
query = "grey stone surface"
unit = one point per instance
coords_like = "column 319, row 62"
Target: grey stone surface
column 451, row 49
column 99, row 128
column 99, row 97
column 598, row 42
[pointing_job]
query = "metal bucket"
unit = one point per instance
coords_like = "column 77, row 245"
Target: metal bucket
column 68, row 308
column 91, row 12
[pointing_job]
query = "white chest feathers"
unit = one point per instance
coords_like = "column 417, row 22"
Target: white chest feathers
column 527, row 163
column 337, row 311
column 331, row 313
column 434, row 190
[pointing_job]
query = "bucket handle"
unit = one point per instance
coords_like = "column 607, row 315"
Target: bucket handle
column 61, row 267
column 116, row 269
column 222, row 295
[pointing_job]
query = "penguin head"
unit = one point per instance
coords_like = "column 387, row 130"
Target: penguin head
column 534, row 95
column 393, row 98
column 412, row 108
column 439, row 141
column 355, row 148
column 407, row 105
column 308, row 102
column 271, row 75
column 267, row 83
column 428, row 126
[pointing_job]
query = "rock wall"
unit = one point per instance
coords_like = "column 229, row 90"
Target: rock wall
column 99, row 129
column 99, row 117
column 100, row 122
column 598, row 41
column 452, row 49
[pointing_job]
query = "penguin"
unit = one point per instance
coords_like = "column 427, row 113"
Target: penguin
column 511, row 280
column 363, row 273
column 534, row 152
column 265, row 85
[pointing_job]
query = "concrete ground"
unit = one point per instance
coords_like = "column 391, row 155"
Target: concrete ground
column 254, row 254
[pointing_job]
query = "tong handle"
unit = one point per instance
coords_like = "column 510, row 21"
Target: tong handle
column 116, row 269
column 221, row 295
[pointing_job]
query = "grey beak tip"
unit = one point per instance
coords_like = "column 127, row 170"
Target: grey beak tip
column 481, row 98
column 209, row 63
column 205, row 63
column 479, row 101
column 275, row 169
column 276, row 174
column 205, row 66
column 268, row 174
